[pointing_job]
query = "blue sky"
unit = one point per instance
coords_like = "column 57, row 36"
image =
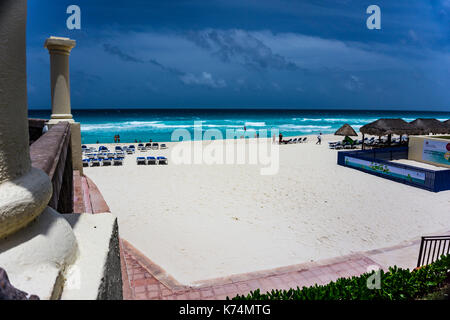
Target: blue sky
column 246, row 54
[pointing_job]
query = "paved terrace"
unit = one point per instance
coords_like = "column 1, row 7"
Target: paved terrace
column 145, row 280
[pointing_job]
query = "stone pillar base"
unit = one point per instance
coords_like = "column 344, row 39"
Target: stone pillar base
column 67, row 117
column 36, row 257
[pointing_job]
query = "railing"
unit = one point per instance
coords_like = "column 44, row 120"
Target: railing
column 52, row 153
column 428, row 253
column 433, row 180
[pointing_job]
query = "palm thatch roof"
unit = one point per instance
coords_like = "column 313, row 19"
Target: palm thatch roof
column 447, row 123
column 382, row 127
column 427, row 126
column 346, row 130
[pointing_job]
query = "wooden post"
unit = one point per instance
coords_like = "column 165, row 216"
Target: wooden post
column 362, row 148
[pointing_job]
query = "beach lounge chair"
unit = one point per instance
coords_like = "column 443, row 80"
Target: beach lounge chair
column 86, row 162
column 130, row 151
column 163, row 146
column 96, row 162
column 118, row 161
column 155, row 146
column 294, row 141
column 118, row 148
column 107, row 161
column 91, row 155
column 162, row 160
column 151, row 160
column 140, row 160
column 148, row 146
column 304, row 139
column 140, row 146
column 338, row 145
column 332, row 145
column 101, row 156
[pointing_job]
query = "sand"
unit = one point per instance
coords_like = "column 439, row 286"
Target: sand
column 207, row 221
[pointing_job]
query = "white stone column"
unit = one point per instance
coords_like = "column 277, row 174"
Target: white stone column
column 59, row 49
column 24, row 192
column 34, row 255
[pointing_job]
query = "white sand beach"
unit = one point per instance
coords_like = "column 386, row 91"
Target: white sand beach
column 206, row 221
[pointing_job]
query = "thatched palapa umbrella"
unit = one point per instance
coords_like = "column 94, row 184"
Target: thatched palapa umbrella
column 346, row 130
column 447, row 124
column 427, row 126
column 383, row 127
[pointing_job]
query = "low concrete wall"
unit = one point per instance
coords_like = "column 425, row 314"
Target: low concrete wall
column 52, row 154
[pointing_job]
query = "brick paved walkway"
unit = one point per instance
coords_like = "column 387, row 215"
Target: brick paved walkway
column 144, row 280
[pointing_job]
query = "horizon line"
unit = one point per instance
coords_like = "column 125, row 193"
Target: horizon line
column 236, row 108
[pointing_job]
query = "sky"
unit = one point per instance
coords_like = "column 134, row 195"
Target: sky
column 310, row 54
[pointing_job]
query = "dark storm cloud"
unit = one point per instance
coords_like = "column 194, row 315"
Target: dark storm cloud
column 203, row 79
column 114, row 50
column 241, row 47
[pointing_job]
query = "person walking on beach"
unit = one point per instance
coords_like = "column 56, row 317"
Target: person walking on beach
column 319, row 138
column 274, row 138
column 115, row 138
column 280, row 138
column 118, row 138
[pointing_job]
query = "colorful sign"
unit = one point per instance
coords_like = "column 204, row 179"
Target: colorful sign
column 436, row 151
column 393, row 171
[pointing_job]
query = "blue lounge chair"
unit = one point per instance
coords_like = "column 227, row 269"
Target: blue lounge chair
column 86, row 162
column 96, row 162
column 162, row 160
column 151, row 160
column 108, row 161
column 118, row 161
column 140, row 160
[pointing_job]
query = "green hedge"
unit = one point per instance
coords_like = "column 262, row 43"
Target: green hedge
column 396, row 284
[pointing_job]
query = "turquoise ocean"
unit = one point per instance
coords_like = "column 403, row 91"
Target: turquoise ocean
column 100, row 125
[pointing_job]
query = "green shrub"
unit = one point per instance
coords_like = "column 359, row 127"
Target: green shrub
column 396, row 284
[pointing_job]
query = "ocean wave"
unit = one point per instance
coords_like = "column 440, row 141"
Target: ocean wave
column 255, row 124
column 302, row 127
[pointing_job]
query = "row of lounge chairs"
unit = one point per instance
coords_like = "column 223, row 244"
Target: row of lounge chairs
column 104, row 155
column 295, row 140
column 126, row 149
column 372, row 142
column 151, row 146
column 96, row 162
column 344, row 144
column 151, row 160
